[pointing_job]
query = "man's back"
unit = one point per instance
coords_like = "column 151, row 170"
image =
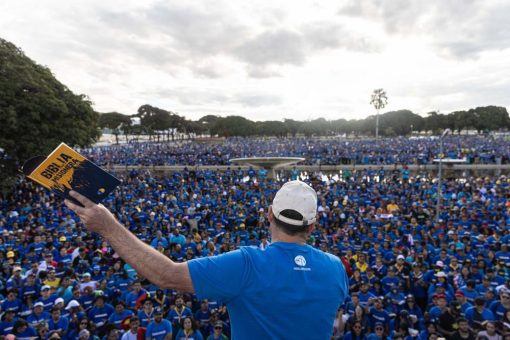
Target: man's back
column 287, row 291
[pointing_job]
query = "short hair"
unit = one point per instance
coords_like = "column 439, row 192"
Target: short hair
column 290, row 229
column 459, row 320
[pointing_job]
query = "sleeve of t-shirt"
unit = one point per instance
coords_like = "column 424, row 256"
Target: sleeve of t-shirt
column 148, row 331
column 344, row 282
column 168, row 327
column 219, row 278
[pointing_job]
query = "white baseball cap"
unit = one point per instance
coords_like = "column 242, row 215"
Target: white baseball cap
column 72, row 304
column 59, row 300
column 401, row 257
column 297, row 196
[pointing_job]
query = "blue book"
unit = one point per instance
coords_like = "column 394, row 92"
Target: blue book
column 65, row 169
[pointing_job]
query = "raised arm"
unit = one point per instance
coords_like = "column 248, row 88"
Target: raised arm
column 146, row 260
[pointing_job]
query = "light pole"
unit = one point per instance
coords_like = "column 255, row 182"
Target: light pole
column 379, row 99
column 440, row 174
column 377, row 126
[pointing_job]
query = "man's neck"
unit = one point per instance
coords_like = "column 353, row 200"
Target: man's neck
column 278, row 236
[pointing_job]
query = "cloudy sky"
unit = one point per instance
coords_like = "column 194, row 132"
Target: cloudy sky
column 270, row 59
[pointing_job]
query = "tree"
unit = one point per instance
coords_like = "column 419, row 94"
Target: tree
column 155, row 119
column 379, row 101
column 317, row 127
column 37, row 112
column 433, row 122
column 234, row 126
column 271, row 128
column 117, row 122
column 491, row 118
column 400, row 122
column 208, row 122
column 293, row 126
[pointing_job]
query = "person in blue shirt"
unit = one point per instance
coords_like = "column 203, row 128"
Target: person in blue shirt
column 11, row 302
column 357, row 332
column 203, row 315
column 501, row 306
column 100, row 312
column 464, row 304
column 364, row 295
column 30, row 286
column 176, row 236
column 159, row 239
column 503, row 254
column 469, row 291
column 217, row 333
column 378, row 333
column 86, row 299
column 291, row 277
column 47, row 298
column 161, row 300
column 178, row 312
column 7, row 323
column 119, row 315
column 188, row 331
column 378, row 314
column 57, row 323
column 136, row 297
column 23, row 331
column 15, row 281
column 38, row 315
column 390, row 280
column 159, row 328
column 477, row 314
column 440, row 303
column 146, row 314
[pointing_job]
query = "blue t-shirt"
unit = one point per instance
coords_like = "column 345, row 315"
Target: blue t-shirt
column 116, row 318
column 268, row 292
column 100, row 315
column 158, row 331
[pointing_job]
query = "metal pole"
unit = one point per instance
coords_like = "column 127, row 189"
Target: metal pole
column 377, row 125
column 439, row 178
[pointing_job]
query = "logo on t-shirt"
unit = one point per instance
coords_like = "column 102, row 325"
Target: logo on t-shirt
column 300, row 261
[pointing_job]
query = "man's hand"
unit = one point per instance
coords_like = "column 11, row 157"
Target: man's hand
column 95, row 216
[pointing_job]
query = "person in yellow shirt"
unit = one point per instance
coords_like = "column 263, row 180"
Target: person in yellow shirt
column 52, row 280
column 361, row 264
column 392, row 206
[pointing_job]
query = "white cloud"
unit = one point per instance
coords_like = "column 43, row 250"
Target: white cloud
column 270, row 59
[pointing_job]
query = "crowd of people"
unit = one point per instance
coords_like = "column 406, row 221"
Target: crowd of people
column 412, row 275
column 399, row 150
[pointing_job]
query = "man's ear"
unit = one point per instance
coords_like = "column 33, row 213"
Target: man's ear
column 311, row 228
column 270, row 215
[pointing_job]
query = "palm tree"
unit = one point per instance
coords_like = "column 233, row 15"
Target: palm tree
column 379, row 101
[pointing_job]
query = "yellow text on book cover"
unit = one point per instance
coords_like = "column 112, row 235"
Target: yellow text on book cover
column 56, row 172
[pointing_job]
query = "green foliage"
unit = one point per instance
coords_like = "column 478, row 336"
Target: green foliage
column 154, row 118
column 233, row 126
column 117, row 122
column 113, row 120
column 379, row 99
column 490, row 118
column 400, row 122
column 393, row 123
column 271, row 128
column 37, row 112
